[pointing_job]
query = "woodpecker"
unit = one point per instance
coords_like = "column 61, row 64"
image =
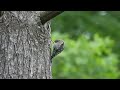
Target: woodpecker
column 58, row 47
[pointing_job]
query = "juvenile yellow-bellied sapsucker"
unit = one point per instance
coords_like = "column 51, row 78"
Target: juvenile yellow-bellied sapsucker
column 58, row 47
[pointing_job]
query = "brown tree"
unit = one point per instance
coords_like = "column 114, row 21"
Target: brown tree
column 25, row 40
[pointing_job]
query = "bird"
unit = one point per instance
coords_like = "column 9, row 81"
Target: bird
column 58, row 47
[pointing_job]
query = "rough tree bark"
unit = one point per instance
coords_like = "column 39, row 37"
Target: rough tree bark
column 24, row 46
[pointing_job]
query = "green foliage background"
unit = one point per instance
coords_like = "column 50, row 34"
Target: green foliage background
column 91, row 44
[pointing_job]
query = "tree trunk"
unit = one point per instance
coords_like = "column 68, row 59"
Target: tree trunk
column 24, row 46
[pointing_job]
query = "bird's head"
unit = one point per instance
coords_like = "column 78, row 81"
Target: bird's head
column 59, row 41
